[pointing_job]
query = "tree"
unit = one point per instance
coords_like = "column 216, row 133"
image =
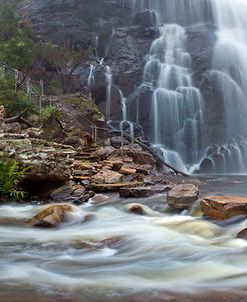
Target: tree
column 65, row 59
column 17, row 41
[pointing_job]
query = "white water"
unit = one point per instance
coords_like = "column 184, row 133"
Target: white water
column 160, row 251
column 177, row 104
column 179, row 120
column 230, row 62
column 108, row 77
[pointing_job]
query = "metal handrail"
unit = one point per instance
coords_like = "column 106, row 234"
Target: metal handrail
column 25, row 83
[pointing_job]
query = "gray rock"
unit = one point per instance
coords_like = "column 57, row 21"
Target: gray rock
column 141, row 192
column 182, row 196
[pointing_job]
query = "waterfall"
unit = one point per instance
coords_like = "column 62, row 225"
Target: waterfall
column 230, row 73
column 181, row 108
column 177, row 104
column 108, row 76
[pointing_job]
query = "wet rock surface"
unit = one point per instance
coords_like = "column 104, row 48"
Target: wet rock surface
column 224, row 207
column 144, row 191
column 51, row 216
column 106, row 176
column 182, row 196
column 242, row 234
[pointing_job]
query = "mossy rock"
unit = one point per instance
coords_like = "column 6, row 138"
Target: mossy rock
column 86, row 106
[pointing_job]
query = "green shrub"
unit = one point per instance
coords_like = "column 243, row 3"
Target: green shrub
column 49, row 112
column 85, row 106
column 13, row 101
column 10, row 175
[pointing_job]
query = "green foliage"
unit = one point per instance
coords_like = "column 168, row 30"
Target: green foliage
column 13, row 101
column 17, row 43
column 10, row 175
column 53, row 87
column 8, row 20
column 18, row 52
column 64, row 59
column 48, row 112
column 86, row 106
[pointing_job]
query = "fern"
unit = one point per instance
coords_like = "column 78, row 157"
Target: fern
column 10, row 175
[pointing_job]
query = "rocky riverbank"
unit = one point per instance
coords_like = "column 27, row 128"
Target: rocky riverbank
column 76, row 171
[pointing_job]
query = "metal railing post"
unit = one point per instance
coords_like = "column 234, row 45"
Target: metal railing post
column 42, row 87
column 16, row 78
column 4, row 71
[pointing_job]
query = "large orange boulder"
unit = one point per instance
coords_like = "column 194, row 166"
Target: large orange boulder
column 52, row 216
column 224, row 207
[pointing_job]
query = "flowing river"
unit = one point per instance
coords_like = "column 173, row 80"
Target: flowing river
column 161, row 252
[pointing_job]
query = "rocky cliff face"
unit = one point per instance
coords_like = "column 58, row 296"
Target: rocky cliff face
column 122, row 35
column 109, row 28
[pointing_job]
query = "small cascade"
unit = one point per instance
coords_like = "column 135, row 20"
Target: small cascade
column 91, row 78
column 108, row 77
column 227, row 158
column 177, row 104
column 123, row 103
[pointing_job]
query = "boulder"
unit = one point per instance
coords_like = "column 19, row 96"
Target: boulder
column 67, row 191
column 106, row 176
column 136, row 209
column 100, row 198
column 143, row 158
column 13, row 128
column 75, row 142
column 51, row 216
column 140, row 209
column 141, row 192
column 224, row 207
column 182, row 196
column 103, row 152
column 118, row 141
column 34, row 132
column 242, row 234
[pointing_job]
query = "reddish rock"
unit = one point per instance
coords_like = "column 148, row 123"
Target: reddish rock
column 136, row 209
column 182, row 196
column 224, row 207
column 143, row 158
column 106, row 176
column 51, row 216
column 127, row 171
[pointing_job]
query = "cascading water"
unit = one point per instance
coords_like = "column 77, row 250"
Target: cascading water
column 108, row 77
column 230, row 74
column 180, row 112
column 177, row 104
